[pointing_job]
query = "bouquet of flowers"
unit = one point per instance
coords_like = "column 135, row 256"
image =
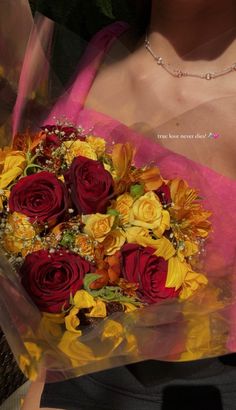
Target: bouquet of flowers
column 91, row 234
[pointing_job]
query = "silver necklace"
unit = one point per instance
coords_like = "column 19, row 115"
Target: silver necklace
column 177, row 72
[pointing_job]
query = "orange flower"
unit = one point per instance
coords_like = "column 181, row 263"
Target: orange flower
column 151, row 179
column 109, row 270
column 122, row 157
column 114, row 268
column 25, row 142
column 85, row 245
column 189, row 219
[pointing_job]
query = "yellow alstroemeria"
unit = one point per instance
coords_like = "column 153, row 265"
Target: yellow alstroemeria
column 151, row 178
column 190, row 248
column 180, row 274
column 163, row 247
column 192, row 282
column 122, row 157
column 177, row 271
column 14, row 165
column 189, row 216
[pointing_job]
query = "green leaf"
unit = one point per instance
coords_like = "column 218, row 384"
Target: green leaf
column 88, row 279
column 67, row 239
column 106, row 8
column 136, row 190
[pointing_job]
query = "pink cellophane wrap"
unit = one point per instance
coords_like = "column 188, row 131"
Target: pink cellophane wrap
column 202, row 326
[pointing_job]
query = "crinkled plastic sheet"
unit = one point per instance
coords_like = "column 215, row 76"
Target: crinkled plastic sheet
column 202, row 326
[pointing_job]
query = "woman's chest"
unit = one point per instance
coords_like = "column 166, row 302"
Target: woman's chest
column 200, row 129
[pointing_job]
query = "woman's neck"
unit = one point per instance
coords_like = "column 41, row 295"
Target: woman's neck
column 192, row 29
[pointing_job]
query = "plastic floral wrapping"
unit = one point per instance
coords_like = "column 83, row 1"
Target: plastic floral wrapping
column 135, row 263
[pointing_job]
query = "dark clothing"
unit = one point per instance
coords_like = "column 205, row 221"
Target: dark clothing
column 208, row 384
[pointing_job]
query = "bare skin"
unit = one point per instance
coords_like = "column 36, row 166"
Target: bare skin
column 198, row 36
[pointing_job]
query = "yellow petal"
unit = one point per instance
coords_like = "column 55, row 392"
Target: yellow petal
column 193, row 281
column 72, row 321
column 78, row 353
column 99, row 310
column 190, row 248
column 129, row 307
column 163, row 246
column 114, row 331
column 122, row 157
column 7, row 177
column 83, row 300
column 165, row 224
column 13, row 160
column 177, row 271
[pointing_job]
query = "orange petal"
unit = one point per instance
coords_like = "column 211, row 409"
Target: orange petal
column 122, row 157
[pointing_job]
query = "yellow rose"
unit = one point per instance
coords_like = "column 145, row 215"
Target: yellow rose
column 20, row 235
column 13, row 166
column 97, row 144
column 98, row 226
column 75, row 148
column 146, row 211
column 85, row 245
column 113, row 242
column 123, row 205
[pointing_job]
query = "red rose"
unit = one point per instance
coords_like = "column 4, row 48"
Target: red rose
column 90, row 184
column 50, row 279
column 140, row 265
column 164, row 195
column 42, row 197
